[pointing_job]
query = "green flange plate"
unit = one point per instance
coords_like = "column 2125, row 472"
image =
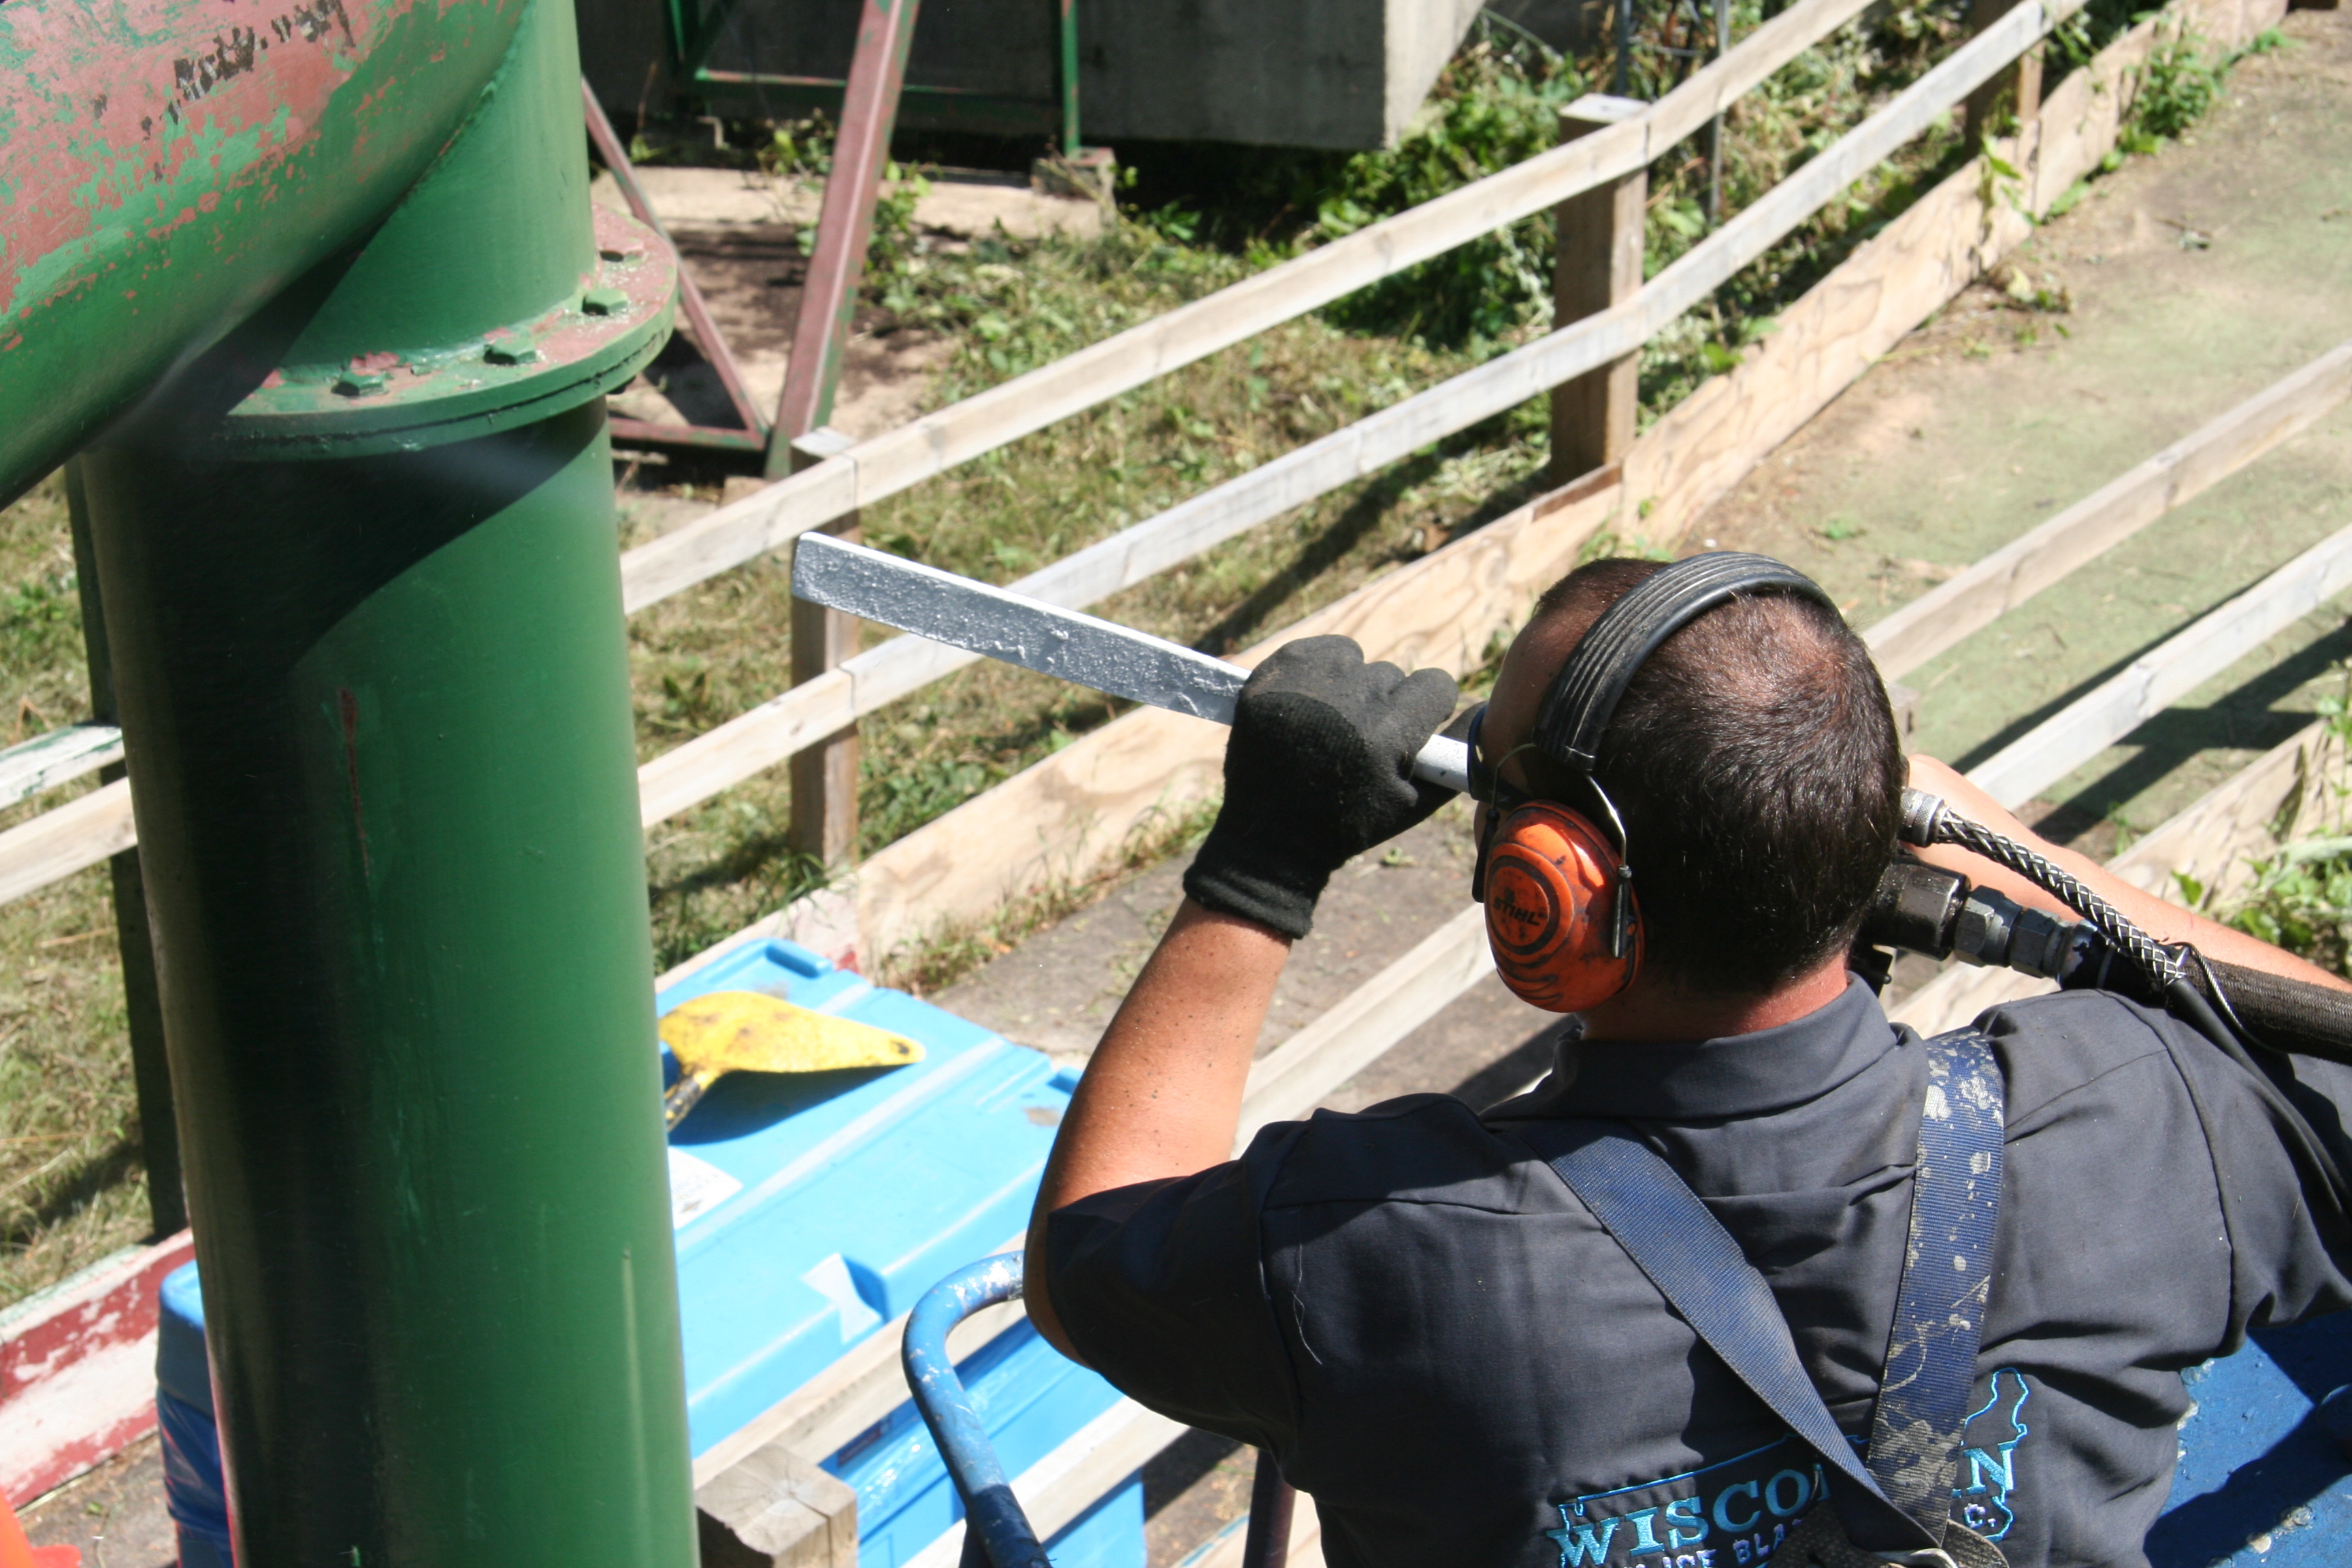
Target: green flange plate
column 402, row 399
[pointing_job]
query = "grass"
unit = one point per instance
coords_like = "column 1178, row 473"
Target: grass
column 1194, row 220
column 71, row 1189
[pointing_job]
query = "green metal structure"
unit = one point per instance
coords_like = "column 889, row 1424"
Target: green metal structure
column 695, row 26
column 316, row 293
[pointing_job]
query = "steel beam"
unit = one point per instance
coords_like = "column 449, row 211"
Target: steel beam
column 706, row 335
column 885, row 31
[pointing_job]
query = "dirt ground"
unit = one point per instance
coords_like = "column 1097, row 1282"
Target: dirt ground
column 737, row 232
column 115, row 1513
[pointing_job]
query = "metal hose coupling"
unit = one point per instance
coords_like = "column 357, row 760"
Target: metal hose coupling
column 1930, row 819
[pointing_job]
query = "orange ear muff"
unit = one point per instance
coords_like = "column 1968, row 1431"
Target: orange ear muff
column 1550, row 886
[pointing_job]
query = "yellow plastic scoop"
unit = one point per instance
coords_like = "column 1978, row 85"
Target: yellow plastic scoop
column 744, row 1031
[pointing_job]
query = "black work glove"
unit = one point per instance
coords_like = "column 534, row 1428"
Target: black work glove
column 1318, row 769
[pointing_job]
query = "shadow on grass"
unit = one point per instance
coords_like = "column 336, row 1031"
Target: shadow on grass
column 117, row 1165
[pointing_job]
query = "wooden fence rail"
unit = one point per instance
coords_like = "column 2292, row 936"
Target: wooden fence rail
column 2165, row 673
column 901, row 458
column 1944, row 616
column 68, row 841
column 46, row 761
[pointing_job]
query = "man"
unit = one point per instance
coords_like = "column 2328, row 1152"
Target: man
column 1441, row 1345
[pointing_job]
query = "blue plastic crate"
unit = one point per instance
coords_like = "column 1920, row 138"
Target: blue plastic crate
column 2261, row 1480
column 813, row 1209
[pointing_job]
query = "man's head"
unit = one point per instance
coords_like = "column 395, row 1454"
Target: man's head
column 1755, row 762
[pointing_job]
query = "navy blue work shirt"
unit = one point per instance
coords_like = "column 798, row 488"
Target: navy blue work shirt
column 1439, row 1344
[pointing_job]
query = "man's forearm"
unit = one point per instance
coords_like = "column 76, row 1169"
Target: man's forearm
column 1163, row 1094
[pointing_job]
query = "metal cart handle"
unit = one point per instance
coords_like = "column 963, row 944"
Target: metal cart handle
column 997, row 1534
column 994, row 1522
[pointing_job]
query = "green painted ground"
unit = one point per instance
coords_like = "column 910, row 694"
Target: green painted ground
column 2198, row 276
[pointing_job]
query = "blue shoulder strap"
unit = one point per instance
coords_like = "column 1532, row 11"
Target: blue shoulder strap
column 1902, row 1497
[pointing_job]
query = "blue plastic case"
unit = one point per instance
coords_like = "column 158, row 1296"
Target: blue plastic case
column 816, row 1208
column 192, row 1490
column 814, row 1211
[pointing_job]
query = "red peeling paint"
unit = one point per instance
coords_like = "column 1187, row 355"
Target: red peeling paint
column 131, row 121
column 109, row 1309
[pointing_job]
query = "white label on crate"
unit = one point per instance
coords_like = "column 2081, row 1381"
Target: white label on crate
column 696, row 1187
column 830, row 1279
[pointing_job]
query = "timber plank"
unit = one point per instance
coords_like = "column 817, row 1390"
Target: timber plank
column 2165, row 673
column 57, row 844
column 46, row 761
column 2107, row 516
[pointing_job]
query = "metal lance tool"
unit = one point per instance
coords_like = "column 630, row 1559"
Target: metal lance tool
column 1046, row 638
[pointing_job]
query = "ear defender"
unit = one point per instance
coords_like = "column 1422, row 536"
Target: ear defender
column 1560, row 918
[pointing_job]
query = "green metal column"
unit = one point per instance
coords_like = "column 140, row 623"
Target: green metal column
column 364, row 604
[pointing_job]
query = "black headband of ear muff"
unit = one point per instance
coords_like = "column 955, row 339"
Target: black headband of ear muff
column 1585, row 694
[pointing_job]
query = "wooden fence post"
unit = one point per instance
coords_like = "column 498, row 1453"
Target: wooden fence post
column 1597, row 263
column 142, row 1005
column 824, row 777
column 2014, row 91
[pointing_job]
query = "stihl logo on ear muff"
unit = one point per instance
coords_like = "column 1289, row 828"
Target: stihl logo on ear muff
column 1562, row 918
column 1551, row 890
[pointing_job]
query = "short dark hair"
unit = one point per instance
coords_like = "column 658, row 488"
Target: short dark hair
column 1755, row 760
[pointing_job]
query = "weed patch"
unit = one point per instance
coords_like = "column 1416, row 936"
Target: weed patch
column 2301, row 897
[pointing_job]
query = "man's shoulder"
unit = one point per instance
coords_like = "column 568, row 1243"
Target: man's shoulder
column 2070, row 1043
column 1418, row 1148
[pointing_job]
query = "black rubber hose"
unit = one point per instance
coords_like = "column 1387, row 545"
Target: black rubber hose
column 2269, row 1009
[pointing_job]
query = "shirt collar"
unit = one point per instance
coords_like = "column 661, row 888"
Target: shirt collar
column 1736, row 1075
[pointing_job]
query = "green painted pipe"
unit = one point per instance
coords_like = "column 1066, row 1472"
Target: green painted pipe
column 167, row 166
column 362, row 603
column 389, row 836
